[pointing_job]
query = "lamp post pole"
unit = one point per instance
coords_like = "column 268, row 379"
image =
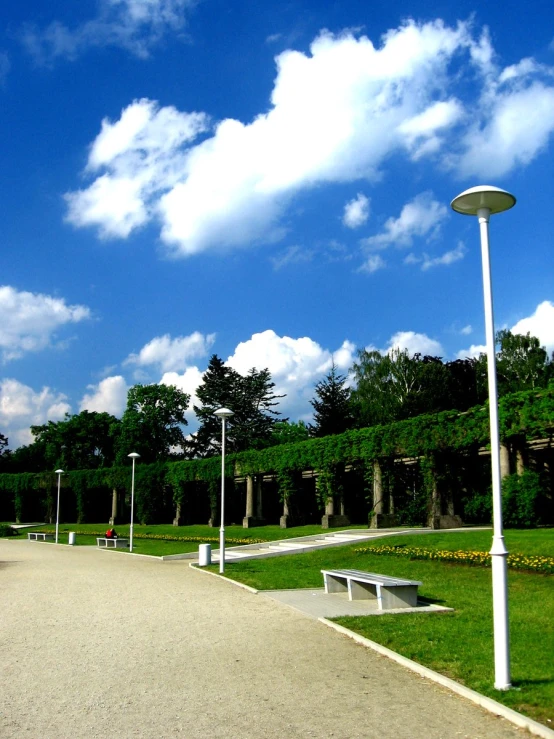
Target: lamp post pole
column 133, row 456
column 484, row 201
column 224, row 414
column 59, row 473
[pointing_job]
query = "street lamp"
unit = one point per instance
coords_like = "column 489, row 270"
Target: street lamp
column 484, row 201
column 224, row 414
column 59, row 473
column 133, row 456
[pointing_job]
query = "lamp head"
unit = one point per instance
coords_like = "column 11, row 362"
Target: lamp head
column 223, row 413
column 483, row 196
column 134, row 455
column 59, row 472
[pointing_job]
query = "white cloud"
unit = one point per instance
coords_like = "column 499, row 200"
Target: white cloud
column 335, row 116
column 108, row 396
column 188, row 382
column 134, row 25
column 449, row 257
column 292, row 255
column 373, row 263
column 172, row 355
column 466, row 330
column 540, row 324
column 22, row 407
column 30, row 320
column 415, row 344
column 356, row 211
column 296, row 365
column 421, row 217
column 420, row 131
column 142, row 154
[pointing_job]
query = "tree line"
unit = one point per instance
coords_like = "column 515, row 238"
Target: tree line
column 380, row 388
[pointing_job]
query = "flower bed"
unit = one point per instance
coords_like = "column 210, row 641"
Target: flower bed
column 531, row 563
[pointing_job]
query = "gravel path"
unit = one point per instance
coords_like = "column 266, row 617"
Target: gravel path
column 98, row 644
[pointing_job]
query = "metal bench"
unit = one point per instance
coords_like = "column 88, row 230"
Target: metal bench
column 118, row 543
column 390, row 592
column 39, row 536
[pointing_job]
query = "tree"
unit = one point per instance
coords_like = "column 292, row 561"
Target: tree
column 522, row 363
column 332, row 406
column 289, row 432
column 152, row 422
column 250, row 397
column 81, row 441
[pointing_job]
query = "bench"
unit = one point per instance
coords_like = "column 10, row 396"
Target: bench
column 113, row 543
column 39, row 536
column 390, row 592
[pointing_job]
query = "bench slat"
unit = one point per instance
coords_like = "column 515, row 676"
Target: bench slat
column 370, row 577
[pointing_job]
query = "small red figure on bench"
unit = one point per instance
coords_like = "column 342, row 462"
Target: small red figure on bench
column 111, row 534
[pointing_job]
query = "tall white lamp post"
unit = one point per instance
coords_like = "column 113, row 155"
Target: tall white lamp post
column 484, row 201
column 59, row 473
column 224, row 414
column 134, row 456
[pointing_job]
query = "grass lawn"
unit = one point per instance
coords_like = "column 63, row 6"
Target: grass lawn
column 157, row 546
column 457, row 644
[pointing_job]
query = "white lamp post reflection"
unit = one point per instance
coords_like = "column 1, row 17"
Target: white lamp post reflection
column 133, row 456
column 224, row 414
column 484, row 201
column 59, row 473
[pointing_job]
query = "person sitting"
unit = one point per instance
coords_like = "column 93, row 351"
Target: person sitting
column 110, row 534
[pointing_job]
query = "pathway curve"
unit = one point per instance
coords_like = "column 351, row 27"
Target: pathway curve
column 98, row 644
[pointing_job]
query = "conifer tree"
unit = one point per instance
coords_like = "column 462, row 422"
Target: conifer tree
column 332, row 408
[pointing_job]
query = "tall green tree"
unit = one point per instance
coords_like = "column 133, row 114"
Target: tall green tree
column 152, row 423
column 521, row 363
column 289, row 432
column 250, row 397
column 332, row 407
column 81, row 441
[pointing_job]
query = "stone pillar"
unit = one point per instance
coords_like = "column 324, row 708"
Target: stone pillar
column 114, row 507
column 504, row 461
column 330, row 520
column 259, row 497
column 284, row 520
column 378, row 518
column 253, row 502
column 177, row 520
column 434, row 504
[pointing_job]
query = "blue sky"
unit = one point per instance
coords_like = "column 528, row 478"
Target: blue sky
column 270, row 182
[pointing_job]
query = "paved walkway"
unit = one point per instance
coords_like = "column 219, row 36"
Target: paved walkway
column 104, row 644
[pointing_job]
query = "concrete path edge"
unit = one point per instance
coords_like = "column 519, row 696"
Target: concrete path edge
column 489, row 704
column 534, row 727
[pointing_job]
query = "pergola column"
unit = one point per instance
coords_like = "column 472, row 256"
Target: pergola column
column 504, row 461
column 114, row 507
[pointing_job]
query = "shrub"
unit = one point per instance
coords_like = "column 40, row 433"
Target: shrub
column 478, row 507
column 7, row 530
column 523, row 500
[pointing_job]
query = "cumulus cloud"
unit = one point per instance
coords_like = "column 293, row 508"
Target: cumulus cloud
column 356, row 211
column 142, row 153
column 134, row 25
column 421, row 132
column 30, row 320
column 296, row 365
column 22, row 407
column 421, row 217
column 108, row 396
column 335, row 116
column 415, row 344
column 188, row 382
column 539, row 324
column 172, row 355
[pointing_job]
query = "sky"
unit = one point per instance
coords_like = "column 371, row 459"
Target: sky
column 269, row 182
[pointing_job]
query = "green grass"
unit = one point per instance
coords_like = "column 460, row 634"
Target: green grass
column 457, row 644
column 159, row 547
